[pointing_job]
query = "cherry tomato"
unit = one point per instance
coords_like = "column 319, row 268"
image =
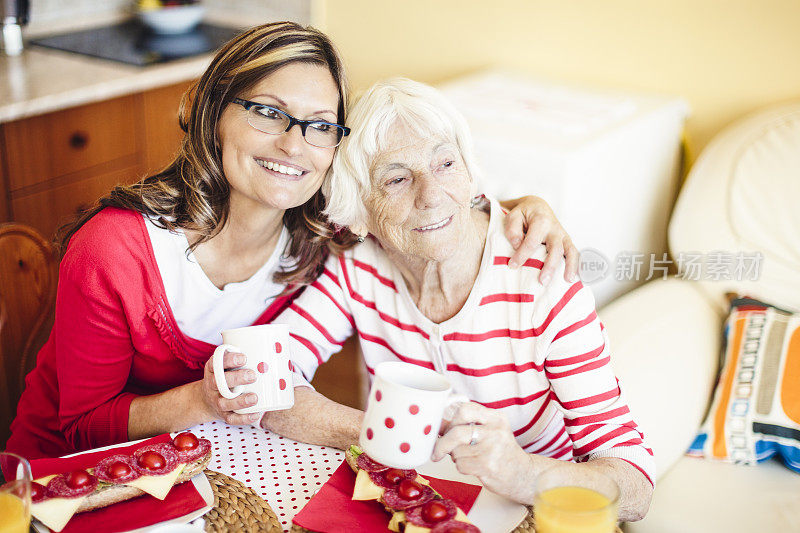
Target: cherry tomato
column 37, row 491
column 409, row 489
column 394, row 476
column 434, row 511
column 186, row 441
column 118, row 470
column 152, row 460
column 78, row 479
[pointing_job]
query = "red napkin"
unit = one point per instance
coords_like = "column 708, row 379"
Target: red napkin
column 130, row 514
column 332, row 509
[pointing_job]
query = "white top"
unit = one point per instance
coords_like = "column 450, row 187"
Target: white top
column 201, row 309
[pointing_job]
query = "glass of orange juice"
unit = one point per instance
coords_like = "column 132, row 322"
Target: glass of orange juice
column 15, row 494
column 575, row 500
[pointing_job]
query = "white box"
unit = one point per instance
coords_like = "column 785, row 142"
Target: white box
column 607, row 162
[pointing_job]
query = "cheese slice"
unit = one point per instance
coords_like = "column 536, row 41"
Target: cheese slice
column 460, row 516
column 422, row 481
column 157, row 486
column 397, row 518
column 411, row 528
column 44, row 480
column 365, row 489
column 56, row 512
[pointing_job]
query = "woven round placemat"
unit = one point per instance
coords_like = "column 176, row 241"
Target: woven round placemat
column 529, row 526
column 237, row 507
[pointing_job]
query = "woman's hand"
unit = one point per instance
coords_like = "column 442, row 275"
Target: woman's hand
column 531, row 223
column 220, row 407
column 495, row 457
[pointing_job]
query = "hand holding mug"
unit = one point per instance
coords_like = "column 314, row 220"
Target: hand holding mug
column 265, row 354
column 224, row 408
column 481, row 443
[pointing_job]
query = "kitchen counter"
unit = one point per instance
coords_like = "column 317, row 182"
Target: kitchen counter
column 102, row 122
column 41, row 80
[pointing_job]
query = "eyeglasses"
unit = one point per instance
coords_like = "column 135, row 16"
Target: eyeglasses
column 270, row 120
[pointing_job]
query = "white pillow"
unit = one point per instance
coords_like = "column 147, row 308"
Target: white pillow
column 665, row 342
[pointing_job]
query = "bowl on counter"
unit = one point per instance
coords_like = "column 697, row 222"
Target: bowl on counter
column 172, row 20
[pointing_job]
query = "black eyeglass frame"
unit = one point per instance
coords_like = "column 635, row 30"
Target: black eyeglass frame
column 248, row 104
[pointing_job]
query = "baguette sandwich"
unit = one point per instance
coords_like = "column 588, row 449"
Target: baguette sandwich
column 414, row 505
column 151, row 469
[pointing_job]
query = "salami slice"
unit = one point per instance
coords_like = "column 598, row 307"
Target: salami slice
column 109, row 469
column 60, row 486
column 431, row 513
column 367, row 463
column 393, row 499
column 455, row 526
column 148, row 458
column 188, row 456
column 391, row 477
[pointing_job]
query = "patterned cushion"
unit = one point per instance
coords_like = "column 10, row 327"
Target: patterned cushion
column 756, row 409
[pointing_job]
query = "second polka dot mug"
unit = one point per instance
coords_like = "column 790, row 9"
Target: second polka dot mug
column 404, row 412
column 266, row 348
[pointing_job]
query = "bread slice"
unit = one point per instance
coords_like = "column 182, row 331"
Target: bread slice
column 351, row 459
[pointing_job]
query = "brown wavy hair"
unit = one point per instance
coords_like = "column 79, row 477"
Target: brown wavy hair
column 192, row 192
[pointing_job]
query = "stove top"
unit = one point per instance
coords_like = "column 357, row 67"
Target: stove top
column 132, row 43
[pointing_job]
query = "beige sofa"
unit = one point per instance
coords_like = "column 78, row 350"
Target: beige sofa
column 743, row 194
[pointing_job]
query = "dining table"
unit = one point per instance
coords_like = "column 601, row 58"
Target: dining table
column 286, row 474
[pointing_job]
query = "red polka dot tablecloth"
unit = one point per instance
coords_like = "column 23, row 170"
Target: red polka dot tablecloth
column 283, row 472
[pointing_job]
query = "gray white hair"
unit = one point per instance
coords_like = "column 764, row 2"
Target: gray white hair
column 419, row 107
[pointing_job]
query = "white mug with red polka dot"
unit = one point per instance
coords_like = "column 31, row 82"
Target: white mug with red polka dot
column 404, row 412
column 266, row 348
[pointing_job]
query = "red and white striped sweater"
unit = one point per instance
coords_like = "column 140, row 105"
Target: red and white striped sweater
column 537, row 354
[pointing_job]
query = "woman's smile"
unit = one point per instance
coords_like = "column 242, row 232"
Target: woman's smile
column 437, row 225
column 281, row 169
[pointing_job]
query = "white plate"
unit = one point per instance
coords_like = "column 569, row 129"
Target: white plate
column 200, row 482
column 491, row 512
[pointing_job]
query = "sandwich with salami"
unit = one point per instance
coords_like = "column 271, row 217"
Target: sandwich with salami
column 414, row 505
column 151, row 469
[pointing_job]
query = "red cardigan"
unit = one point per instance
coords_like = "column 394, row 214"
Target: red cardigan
column 114, row 338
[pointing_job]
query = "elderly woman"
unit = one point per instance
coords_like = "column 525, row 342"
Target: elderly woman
column 431, row 285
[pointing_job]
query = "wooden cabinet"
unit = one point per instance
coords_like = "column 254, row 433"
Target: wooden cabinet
column 162, row 133
column 5, row 207
column 60, row 163
column 47, row 209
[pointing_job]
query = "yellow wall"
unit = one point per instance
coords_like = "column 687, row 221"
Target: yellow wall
column 726, row 57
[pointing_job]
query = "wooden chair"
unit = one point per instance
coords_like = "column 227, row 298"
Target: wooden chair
column 28, row 281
